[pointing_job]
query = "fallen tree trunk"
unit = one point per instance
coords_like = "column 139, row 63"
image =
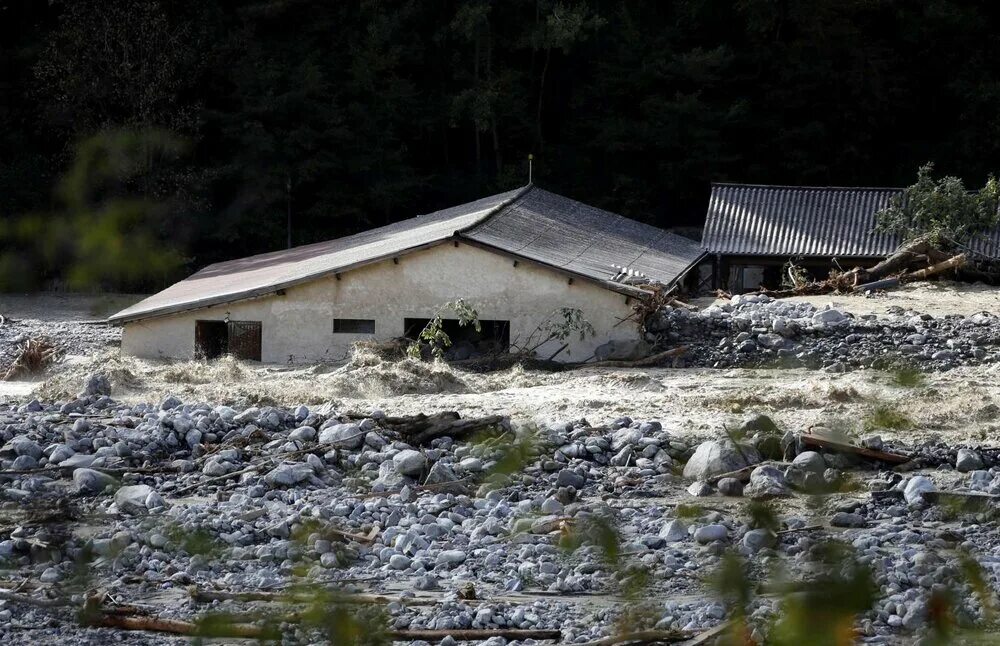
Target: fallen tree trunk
column 456, row 429
column 818, row 441
column 887, row 283
column 13, row 597
column 207, row 596
column 645, row 362
column 174, row 626
column 178, row 627
column 421, row 429
column 952, row 263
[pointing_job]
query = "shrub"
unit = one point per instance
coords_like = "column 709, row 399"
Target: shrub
column 941, row 208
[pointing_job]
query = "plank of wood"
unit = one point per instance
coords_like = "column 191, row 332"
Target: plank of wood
column 709, row 635
column 818, row 441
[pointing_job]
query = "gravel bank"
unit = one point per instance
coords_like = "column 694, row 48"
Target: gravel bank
column 155, row 499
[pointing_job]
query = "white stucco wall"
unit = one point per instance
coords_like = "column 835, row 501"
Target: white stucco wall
column 298, row 326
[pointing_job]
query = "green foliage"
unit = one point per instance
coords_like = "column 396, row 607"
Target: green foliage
column 107, row 230
column 884, row 415
column 433, row 334
column 908, row 376
column 559, row 325
column 827, row 608
column 597, row 531
column 688, row 511
column 731, row 582
column 514, row 455
column 941, row 208
column 631, row 106
column 762, row 515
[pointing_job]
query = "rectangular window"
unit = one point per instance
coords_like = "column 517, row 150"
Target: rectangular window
column 353, row 326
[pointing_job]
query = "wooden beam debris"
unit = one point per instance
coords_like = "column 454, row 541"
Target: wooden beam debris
column 820, row 442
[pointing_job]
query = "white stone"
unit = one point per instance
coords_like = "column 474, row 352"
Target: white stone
column 915, row 489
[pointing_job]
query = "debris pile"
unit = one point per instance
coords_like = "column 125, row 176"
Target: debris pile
column 758, row 330
column 449, row 528
column 34, row 355
column 922, row 258
column 24, row 337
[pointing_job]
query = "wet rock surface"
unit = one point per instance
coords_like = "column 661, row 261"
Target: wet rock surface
column 155, row 500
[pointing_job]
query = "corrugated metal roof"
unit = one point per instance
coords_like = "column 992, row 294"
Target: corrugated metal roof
column 758, row 220
column 585, row 240
column 755, row 220
column 527, row 222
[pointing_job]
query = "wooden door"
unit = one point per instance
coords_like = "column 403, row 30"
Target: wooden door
column 244, row 340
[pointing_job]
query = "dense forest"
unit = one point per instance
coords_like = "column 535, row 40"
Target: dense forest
column 350, row 114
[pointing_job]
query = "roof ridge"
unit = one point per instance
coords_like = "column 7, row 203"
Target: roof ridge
column 521, row 192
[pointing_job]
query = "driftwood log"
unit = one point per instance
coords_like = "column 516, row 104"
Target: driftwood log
column 422, row 429
column 820, row 442
column 918, row 259
column 251, row 631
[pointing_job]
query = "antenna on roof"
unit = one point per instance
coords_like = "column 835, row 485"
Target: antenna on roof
column 531, row 158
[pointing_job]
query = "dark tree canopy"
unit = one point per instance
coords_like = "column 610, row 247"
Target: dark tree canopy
column 354, row 114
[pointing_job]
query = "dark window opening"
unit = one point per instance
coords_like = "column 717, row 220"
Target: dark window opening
column 466, row 343
column 241, row 339
column 353, row 326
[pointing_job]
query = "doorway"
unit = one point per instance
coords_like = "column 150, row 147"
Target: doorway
column 466, row 342
column 241, row 339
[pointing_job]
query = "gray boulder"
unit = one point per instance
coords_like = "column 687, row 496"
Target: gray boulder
column 846, row 519
column 730, row 487
column 711, row 533
column 132, row 499
column 89, row 481
column 719, row 456
column 442, row 474
column 968, row 460
column 674, row 530
column 757, row 539
column 170, row 402
column 96, row 384
column 570, row 478
column 24, row 446
column 766, row 482
column 346, row 436
column 410, row 463
column 287, row 475
column 810, row 462
column 622, row 350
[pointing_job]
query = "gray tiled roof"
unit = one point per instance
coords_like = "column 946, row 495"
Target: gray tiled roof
column 528, row 222
column 560, row 232
column 757, row 220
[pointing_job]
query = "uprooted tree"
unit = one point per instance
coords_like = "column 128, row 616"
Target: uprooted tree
column 941, row 208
